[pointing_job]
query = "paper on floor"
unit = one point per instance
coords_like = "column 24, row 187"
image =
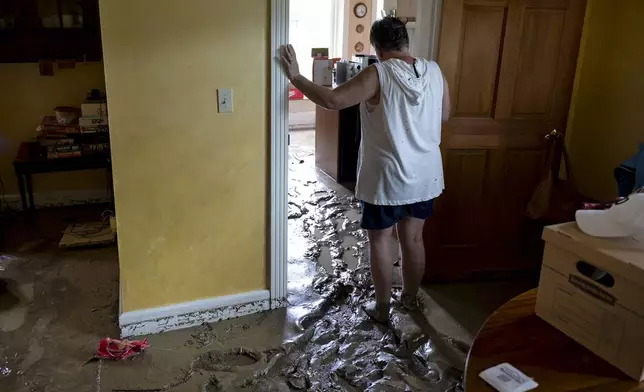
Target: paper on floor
column 507, row 378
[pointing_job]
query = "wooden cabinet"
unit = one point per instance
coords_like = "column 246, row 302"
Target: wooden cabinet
column 337, row 141
column 406, row 8
column 33, row 30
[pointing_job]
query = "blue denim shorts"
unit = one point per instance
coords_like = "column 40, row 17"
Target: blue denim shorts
column 383, row 217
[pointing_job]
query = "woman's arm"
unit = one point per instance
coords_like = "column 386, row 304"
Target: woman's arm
column 359, row 89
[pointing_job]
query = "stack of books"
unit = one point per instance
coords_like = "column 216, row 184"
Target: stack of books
column 59, row 141
column 95, row 143
column 61, row 148
column 88, row 135
column 50, row 128
column 62, row 151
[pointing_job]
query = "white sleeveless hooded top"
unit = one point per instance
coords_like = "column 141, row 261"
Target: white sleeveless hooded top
column 399, row 160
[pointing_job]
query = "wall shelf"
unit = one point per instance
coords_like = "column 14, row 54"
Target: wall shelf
column 24, row 37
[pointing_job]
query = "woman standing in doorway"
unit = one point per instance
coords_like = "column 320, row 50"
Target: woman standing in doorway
column 403, row 101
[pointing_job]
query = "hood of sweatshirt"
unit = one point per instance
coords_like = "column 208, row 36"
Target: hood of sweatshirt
column 415, row 88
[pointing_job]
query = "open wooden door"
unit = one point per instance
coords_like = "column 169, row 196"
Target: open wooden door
column 510, row 65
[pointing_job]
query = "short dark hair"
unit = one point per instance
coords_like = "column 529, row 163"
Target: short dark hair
column 389, row 34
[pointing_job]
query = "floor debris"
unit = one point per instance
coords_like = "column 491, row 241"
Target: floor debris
column 204, row 336
column 321, row 342
column 88, row 234
column 4, row 371
column 137, row 390
column 337, row 347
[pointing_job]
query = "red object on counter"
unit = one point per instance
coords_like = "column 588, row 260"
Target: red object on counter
column 294, row 94
column 120, row 349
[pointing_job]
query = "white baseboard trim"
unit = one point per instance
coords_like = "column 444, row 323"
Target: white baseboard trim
column 190, row 314
column 60, row 198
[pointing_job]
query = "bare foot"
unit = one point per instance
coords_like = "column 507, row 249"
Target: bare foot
column 378, row 313
column 409, row 302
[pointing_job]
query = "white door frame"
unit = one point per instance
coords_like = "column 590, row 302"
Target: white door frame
column 278, row 242
column 428, row 25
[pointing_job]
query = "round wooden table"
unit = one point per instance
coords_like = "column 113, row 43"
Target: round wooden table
column 516, row 335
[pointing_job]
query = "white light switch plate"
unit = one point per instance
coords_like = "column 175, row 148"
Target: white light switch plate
column 225, row 100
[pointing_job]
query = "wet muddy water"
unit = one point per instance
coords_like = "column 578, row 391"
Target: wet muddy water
column 322, row 342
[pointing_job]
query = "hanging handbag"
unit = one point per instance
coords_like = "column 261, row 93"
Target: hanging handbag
column 555, row 200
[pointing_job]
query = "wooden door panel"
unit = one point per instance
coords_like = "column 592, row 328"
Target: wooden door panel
column 477, row 133
column 548, row 4
column 517, row 237
column 482, row 33
column 568, row 59
column 450, row 43
column 535, row 82
column 508, row 69
column 479, row 231
column 464, row 194
column 511, row 67
column 516, row 172
column 540, row 50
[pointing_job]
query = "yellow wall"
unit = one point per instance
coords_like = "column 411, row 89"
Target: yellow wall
column 190, row 184
column 606, row 120
column 25, row 97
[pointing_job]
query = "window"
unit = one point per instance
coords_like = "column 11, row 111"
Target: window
column 315, row 24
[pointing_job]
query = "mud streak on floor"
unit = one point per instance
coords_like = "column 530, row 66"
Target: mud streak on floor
column 322, row 342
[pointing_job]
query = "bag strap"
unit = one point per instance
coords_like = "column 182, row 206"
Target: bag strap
column 566, row 162
column 550, row 161
column 558, row 155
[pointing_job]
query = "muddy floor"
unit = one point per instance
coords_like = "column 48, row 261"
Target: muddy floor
column 58, row 304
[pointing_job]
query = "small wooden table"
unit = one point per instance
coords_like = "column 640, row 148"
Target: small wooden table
column 514, row 334
column 31, row 161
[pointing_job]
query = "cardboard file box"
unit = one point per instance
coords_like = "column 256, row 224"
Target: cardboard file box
column 92, row 121
column 94, row 109
column 592, row 289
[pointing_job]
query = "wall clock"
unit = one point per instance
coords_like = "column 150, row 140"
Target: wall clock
column 359, row 47
column 360, row 10
column 359, row 29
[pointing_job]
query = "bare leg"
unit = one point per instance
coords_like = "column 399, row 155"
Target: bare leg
column 397, row 255
column 382, row 248
column 410, row 233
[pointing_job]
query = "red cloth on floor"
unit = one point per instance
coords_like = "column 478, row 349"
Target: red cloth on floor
column 120, row 349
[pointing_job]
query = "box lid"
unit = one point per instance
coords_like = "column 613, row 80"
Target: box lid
column 620, row 255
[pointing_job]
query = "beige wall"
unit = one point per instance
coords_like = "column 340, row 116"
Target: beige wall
column 389, row 4
column 606, row 120
column 354, row 37
column 25, row 97
column 190, row 184
column 406, row 8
